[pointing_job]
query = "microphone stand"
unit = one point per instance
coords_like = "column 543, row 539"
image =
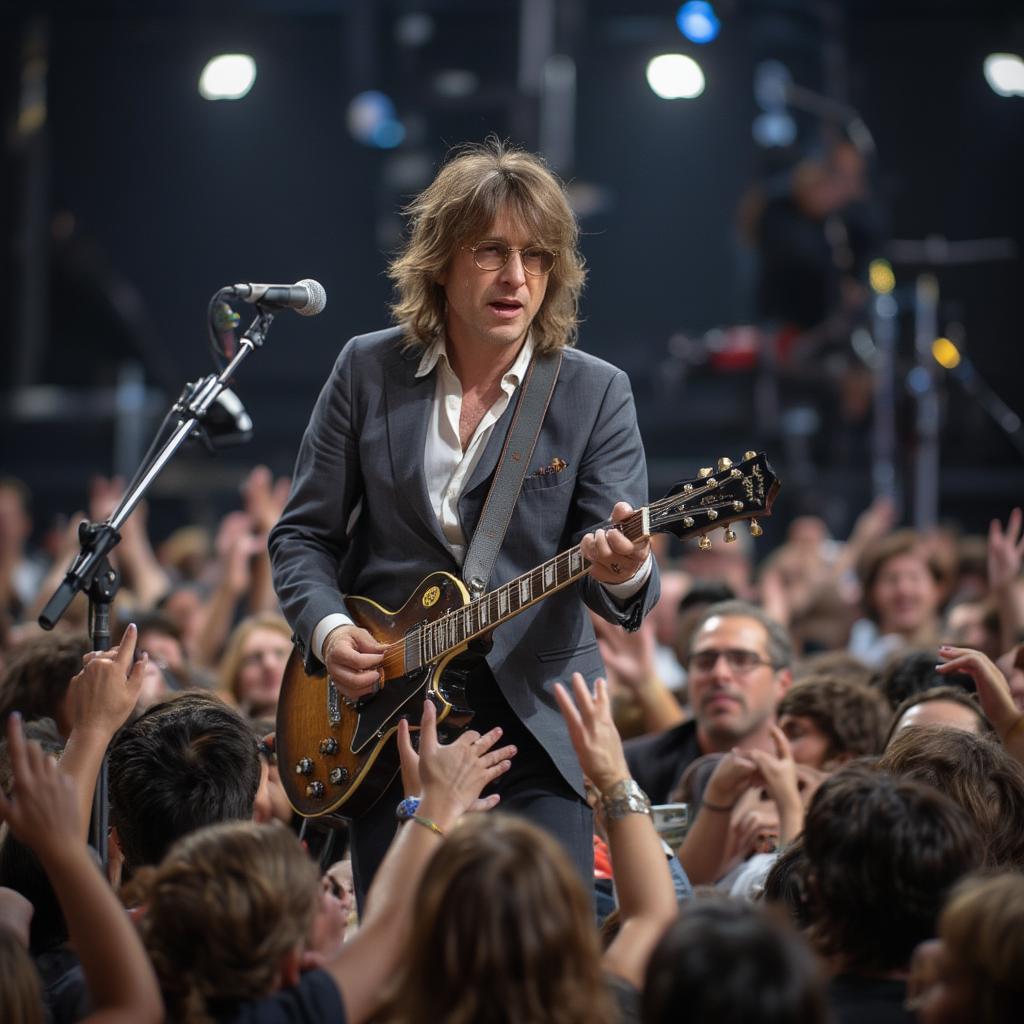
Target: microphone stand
column 91, row 572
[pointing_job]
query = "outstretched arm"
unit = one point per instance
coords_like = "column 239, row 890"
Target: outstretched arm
column 993, row 692
column 451, row 778
column 100, row 699
column 42, row 811
column 647, row 901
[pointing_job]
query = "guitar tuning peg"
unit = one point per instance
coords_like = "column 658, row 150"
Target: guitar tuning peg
column 724, row 464
column 755, row 528
column 712, row 514
column 730, row 535
column 704, row 471
column 688, row 521
column 749, row 455
column 704, row 543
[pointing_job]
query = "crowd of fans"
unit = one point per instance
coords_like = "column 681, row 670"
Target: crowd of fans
column 845, row 723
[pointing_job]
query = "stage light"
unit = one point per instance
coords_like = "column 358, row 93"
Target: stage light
column 674, row 76
column 697, row 21
column 372, row 120
column 946, row 353
column 881, row 277
column 776, row 129
column 1004, row 72
column 228, row 76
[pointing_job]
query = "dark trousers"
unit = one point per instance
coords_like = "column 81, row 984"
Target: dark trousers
column 533, row 787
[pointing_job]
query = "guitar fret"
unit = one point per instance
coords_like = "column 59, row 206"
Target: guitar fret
column 483, row 612
column 549, row 576
column 575, row 562
column 503, row 601
column 525, row 591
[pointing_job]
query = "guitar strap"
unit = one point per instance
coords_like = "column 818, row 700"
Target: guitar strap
column 508, row 477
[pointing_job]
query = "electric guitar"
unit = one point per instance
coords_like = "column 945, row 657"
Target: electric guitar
column 337, row 756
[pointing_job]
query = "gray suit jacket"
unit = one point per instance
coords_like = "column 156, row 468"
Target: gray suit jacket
column 359, row 519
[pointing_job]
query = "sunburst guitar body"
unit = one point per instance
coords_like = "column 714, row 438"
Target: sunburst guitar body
column 337, row 757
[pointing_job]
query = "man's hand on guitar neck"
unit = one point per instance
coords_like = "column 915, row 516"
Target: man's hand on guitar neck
column 613, row 557
column 353, row 659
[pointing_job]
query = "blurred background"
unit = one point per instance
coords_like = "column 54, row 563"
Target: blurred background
column 802, row 222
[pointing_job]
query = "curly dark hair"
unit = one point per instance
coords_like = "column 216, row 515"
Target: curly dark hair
column 973, row 771
column 854, row 718
column 882, row 853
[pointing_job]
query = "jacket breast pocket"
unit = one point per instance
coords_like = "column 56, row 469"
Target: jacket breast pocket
column 547, row 482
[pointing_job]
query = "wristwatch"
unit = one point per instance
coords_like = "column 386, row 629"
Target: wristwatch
column 407, row 808
column 625, row 797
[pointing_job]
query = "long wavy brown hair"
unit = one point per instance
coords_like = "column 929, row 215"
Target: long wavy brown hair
column 503, row 932
column 222, row 910
column 459, row 207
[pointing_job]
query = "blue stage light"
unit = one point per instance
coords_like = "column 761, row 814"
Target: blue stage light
column 697, row 21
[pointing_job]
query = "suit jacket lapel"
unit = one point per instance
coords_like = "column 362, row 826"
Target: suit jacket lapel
column 408, row 401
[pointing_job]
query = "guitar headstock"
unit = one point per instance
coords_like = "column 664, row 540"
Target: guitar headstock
column 715, row 498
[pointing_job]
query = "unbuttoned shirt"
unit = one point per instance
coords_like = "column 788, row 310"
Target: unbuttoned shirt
column 447, row 467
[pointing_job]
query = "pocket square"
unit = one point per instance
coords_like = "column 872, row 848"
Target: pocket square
column 556, row 465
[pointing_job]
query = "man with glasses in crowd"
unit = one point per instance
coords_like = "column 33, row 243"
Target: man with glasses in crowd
column 737, row 672
column 401, row 450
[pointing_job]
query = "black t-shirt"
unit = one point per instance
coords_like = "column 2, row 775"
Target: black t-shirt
column 656, row 762
column 315, row 1000
column 858, row 1000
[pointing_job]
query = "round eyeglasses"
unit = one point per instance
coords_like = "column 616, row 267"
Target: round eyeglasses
column 492, row 255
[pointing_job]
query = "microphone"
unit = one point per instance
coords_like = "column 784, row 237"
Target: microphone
column 306, row 297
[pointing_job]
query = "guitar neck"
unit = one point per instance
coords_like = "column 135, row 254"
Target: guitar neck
column 483, row 614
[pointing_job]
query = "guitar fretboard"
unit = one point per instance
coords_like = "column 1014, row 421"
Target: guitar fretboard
column 433, row 640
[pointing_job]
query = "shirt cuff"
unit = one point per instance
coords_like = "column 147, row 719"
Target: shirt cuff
column 627, row 588
column 323, row 630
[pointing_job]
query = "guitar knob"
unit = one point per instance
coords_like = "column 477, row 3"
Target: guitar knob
column 755, row 528
column 730, row 536
column 329, row 745
column 337, row 776
column 315, row 789
column 724, row 464
column 304, row 767
column 749, row 455
column 704, row 543
column 704, row 471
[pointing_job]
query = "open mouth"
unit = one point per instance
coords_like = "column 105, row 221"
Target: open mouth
column 503, row 308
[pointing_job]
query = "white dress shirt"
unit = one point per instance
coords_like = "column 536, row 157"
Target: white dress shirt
column 447, row 466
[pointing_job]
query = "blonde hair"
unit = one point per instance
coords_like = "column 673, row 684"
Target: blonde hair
column 459, row 206
column 502, row 933
column 222, row 909
column 231, row 661
column 21, row 993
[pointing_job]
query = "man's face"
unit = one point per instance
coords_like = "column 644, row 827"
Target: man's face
column 905, row 594
column 737, row 693
column 492, row 307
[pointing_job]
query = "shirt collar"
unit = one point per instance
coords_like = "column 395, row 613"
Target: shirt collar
column 437, row 352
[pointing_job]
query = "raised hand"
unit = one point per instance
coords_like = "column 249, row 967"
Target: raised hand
column 732, row 776
column 264, row 498
column 1005, row 551
column 103, row 694
column 592, row 732
column 42, row 809
column 450, row 776
column 993, row 689
column 779, row 772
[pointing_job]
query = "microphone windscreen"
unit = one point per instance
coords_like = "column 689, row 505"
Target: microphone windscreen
column 317, row 298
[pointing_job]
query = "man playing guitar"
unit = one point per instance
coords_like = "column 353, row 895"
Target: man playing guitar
column 399, row 454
